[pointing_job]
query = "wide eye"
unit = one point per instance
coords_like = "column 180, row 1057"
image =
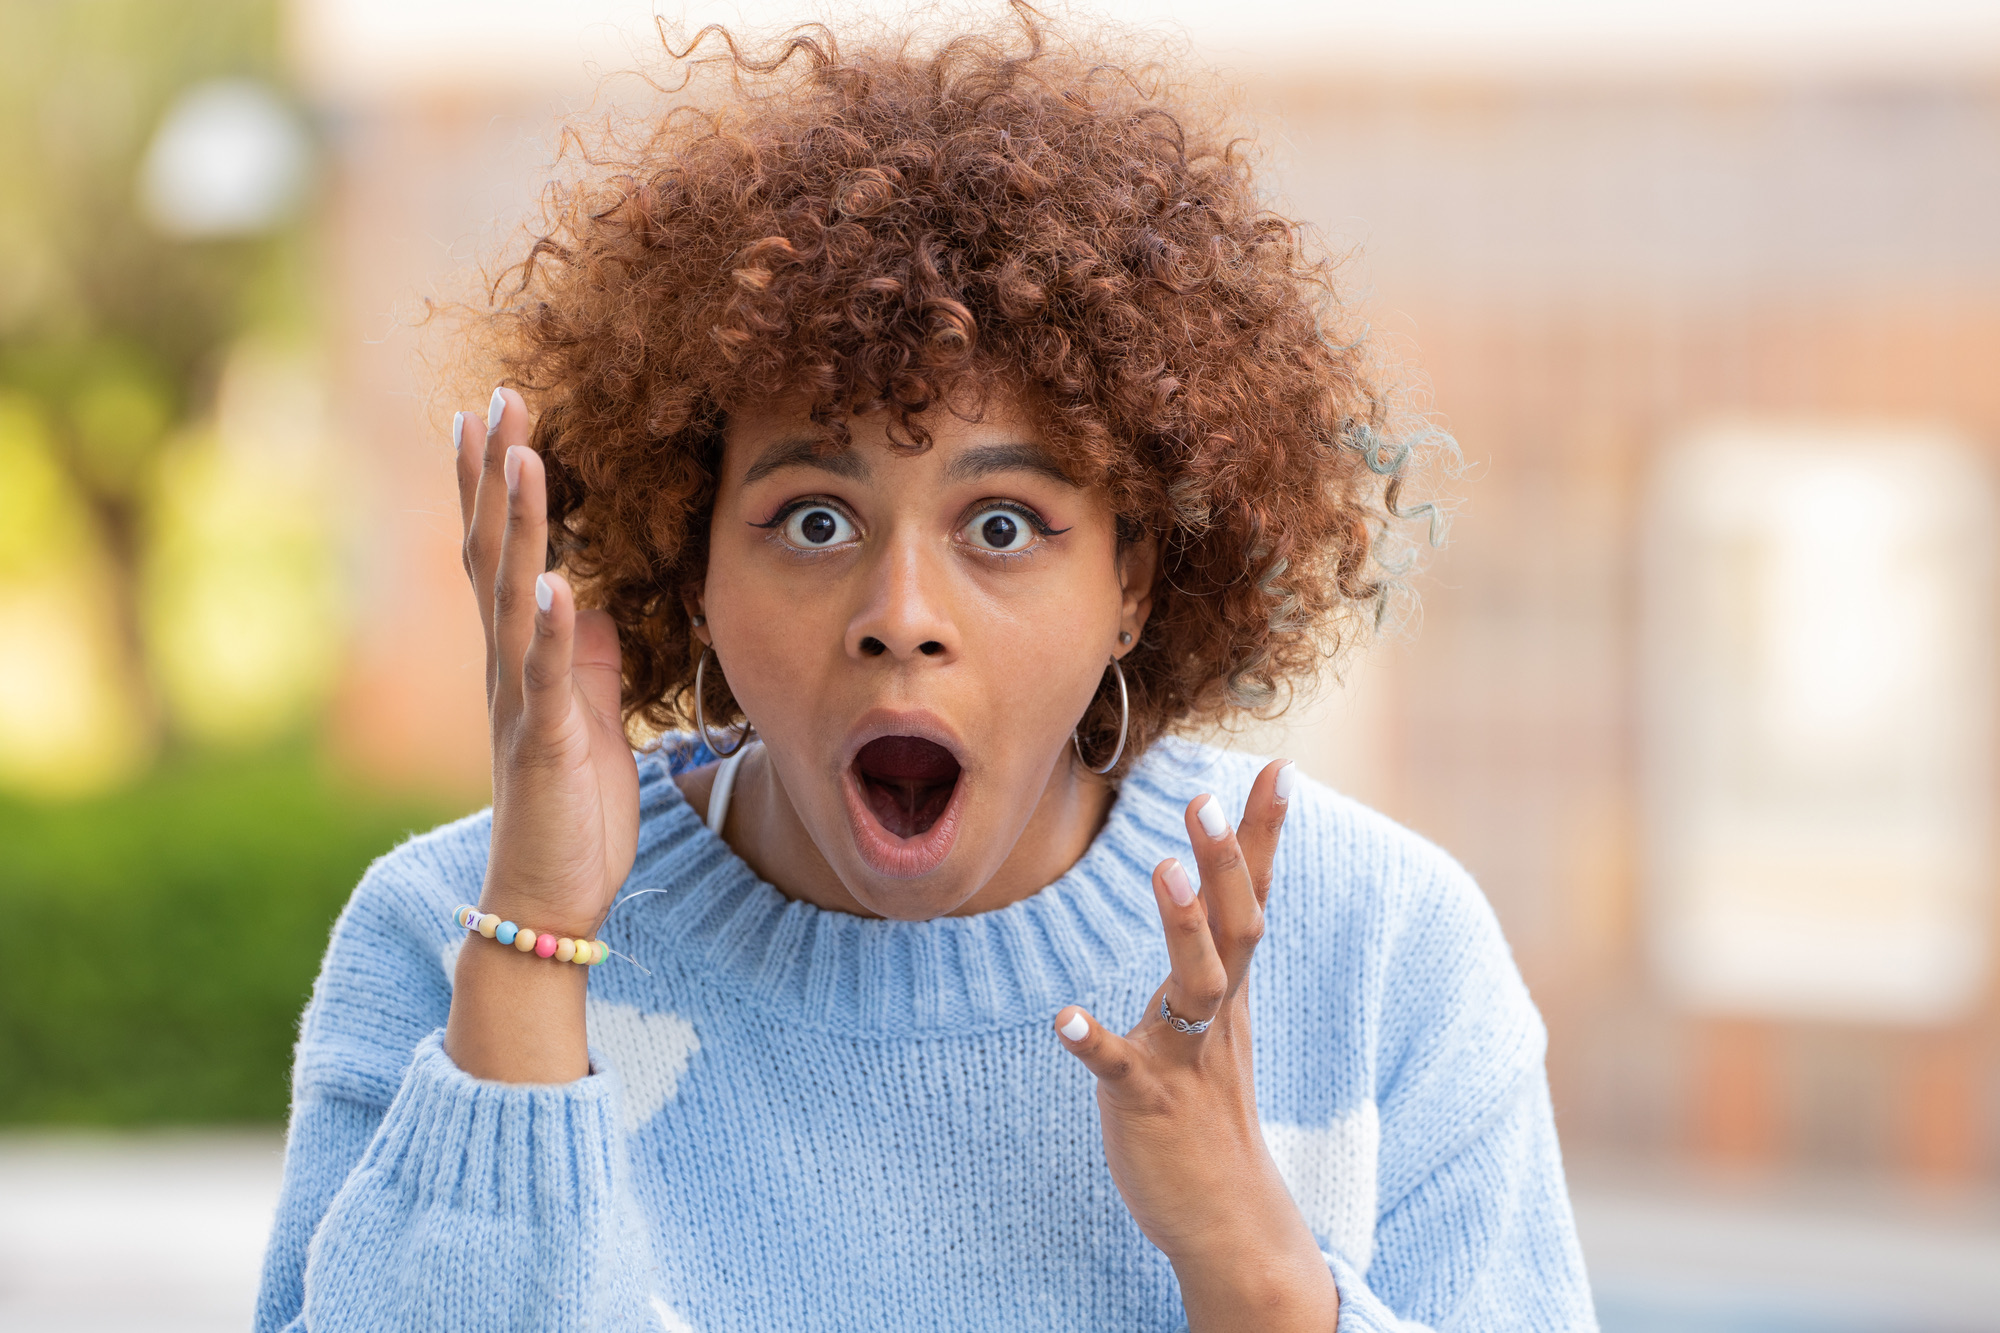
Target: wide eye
column 999, row 529
column 815, row 526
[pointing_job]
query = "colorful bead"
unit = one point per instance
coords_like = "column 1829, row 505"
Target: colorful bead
column 586, row 953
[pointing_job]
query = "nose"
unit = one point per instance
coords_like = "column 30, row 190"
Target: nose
column 905, row 613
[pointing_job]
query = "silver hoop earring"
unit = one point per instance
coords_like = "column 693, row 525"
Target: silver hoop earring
column 701, row 718
column 1124, row 721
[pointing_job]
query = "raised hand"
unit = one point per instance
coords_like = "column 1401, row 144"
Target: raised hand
column 565, row 785
column 1177, row 1101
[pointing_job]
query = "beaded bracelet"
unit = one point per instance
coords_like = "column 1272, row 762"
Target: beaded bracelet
column 559, row 947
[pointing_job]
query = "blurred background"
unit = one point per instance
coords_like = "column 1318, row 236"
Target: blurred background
column 1701, row 686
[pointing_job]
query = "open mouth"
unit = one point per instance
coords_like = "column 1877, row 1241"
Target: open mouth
column 906, row 781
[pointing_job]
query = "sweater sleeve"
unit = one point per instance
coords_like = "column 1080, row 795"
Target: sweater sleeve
column 1473, row 1226
column 414, row 1195
column 1487, row 1242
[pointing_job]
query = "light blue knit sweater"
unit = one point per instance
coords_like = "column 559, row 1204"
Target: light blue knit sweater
column 808, row 1120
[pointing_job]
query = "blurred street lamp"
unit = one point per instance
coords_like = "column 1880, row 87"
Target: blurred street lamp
column 229, row 159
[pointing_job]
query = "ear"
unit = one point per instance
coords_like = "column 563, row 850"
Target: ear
column 1138, row 564
column 696, row 613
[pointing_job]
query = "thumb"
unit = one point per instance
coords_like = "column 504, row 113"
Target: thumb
column 596, row 662
column 1103, row 1052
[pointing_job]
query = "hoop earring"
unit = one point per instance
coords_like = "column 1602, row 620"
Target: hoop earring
column 1124, row 722
column 701, row 718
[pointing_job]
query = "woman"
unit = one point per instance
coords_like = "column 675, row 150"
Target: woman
column 937, row 434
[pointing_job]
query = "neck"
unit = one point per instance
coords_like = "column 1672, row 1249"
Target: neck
column 766, row 831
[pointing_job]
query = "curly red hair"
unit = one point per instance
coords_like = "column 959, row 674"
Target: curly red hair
column 886, row 231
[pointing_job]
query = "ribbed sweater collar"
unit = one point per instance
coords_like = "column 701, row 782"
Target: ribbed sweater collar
column 721, row 926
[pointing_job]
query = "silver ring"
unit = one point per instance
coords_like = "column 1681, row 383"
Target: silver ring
column 1181, row 1024
column 1124, row 722
column 701, row 719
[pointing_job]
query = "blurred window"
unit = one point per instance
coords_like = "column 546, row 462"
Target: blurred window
column 1818, row 648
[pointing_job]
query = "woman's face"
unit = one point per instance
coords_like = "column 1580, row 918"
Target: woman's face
column 914, row 637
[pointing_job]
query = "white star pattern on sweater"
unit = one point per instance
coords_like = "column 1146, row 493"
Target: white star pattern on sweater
column 1330, row 1172
column 649, row 1051
column 670, row 1318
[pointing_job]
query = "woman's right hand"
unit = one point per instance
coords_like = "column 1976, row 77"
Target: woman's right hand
column 565, row 784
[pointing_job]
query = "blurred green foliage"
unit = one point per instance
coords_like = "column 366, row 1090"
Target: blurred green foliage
column 166, row 934
column 98, row 302
column 114, row 331
column 165, row 938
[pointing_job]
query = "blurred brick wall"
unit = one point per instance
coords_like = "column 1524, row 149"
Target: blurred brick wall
column 428, row 189
column 1581, row 272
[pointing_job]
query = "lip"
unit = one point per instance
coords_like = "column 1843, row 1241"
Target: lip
column 884, row 852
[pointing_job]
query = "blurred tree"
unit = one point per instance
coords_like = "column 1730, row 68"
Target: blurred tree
column 114, row 325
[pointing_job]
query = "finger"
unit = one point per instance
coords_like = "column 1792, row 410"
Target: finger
column 1235, row 918
column 465, row 467
column 524, row 554
column 545, row 667
column 1198, row 982
column 1104, row 1053
column 1263, row 820
column 506, row 422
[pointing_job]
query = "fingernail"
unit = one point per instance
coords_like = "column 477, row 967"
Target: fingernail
column 1077, row 1028
column 1210, row 815
column 1286, row 777
column 457, row 431
column 494, row 408
column 1178, row 887
column 512, row 468
column 544, row 594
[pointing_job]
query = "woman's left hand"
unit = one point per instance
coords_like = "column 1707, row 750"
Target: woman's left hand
column 1179, row 1108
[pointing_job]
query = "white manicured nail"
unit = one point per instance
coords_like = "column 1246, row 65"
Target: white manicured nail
column 494, row 407
column 1286, row 777
column 545, row 596
column 512, row 468
column 1209, row 812
column 1077, row 1028
column 1178, row 887
column 457, row 431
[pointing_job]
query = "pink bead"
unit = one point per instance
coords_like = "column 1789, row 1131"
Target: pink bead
column 545, row 946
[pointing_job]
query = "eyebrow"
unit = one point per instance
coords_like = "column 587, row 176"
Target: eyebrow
column 807, row 451
column 988, row 459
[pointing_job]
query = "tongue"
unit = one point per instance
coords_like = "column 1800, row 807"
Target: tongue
column 908, row 782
